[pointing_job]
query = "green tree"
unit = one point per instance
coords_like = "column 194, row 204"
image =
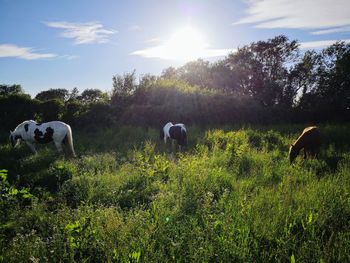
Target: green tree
column 124, row 87
column 334, row 76
column 73, row 94
column 97, row 115
column 146, row 81
column 169, row 73
column 53, row 94
column 51, row 110
column 324, row 78
column 262, row 69
column 10, row 89
column 73, row 110
column 224, row 78
column 16, row 108
column 196, row 73
column 93, row 96
column 303, row 74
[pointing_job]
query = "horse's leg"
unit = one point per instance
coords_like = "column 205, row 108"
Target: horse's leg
column 305, row 153
column 31, row 146
column 317, row 152
column 59, row 146
column 313, row 152
column 65, row 148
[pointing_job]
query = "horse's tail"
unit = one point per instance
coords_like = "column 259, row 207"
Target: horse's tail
column 161, row 134
column 70, row 140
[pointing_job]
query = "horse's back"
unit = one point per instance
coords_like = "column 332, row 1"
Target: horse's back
column 311, row 129
column 181, row 125
column 56, row 123
column 311, row 136
column 312, row 132
column 54, row 130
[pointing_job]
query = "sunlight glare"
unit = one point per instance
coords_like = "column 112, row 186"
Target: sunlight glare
column 186, row 44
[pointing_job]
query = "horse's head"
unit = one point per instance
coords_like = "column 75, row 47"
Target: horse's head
column 14, row 139
column 292, row 153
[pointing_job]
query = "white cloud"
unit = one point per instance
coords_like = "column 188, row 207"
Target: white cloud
column 304, row 14
column 9, row 50
column 319, row 44
column 332, row 30
column 83, row 33
column 162, row 52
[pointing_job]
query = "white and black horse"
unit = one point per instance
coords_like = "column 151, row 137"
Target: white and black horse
column 175, row 132
column 32, row 132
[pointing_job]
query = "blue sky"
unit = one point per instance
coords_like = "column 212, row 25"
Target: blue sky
column 67, row 44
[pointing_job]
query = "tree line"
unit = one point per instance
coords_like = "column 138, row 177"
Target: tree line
column 264, row 82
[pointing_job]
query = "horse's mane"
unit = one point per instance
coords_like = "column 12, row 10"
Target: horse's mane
column 19, row 126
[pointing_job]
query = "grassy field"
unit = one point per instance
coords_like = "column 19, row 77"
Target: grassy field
column 231, row 196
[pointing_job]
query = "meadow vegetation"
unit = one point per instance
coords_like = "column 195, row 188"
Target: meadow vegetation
column 231, row 196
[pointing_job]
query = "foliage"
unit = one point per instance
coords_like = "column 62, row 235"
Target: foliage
column 123, row 88
column 230, row 197
column 6, row 90
column 11, row 199
column 14, row 109
column 327, row 73
column 9, row 192
column 269, row 81
column 50, row 110
column 93, row 96
column 53, row 94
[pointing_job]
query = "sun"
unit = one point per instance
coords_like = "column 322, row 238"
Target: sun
column 186, row 44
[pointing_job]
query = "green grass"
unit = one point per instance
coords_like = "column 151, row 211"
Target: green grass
column 231, row 196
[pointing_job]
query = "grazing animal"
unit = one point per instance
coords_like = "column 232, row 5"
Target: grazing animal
column 309, row 140
column 175, row 132
column 32, row 132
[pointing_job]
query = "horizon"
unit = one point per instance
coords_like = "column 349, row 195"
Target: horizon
column 63, row 45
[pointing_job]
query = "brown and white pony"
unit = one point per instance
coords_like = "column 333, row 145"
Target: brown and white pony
column 175, row 132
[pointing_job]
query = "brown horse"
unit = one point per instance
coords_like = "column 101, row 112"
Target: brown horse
column 309, row 140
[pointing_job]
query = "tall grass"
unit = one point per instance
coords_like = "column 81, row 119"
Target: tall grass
column 231, row 196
